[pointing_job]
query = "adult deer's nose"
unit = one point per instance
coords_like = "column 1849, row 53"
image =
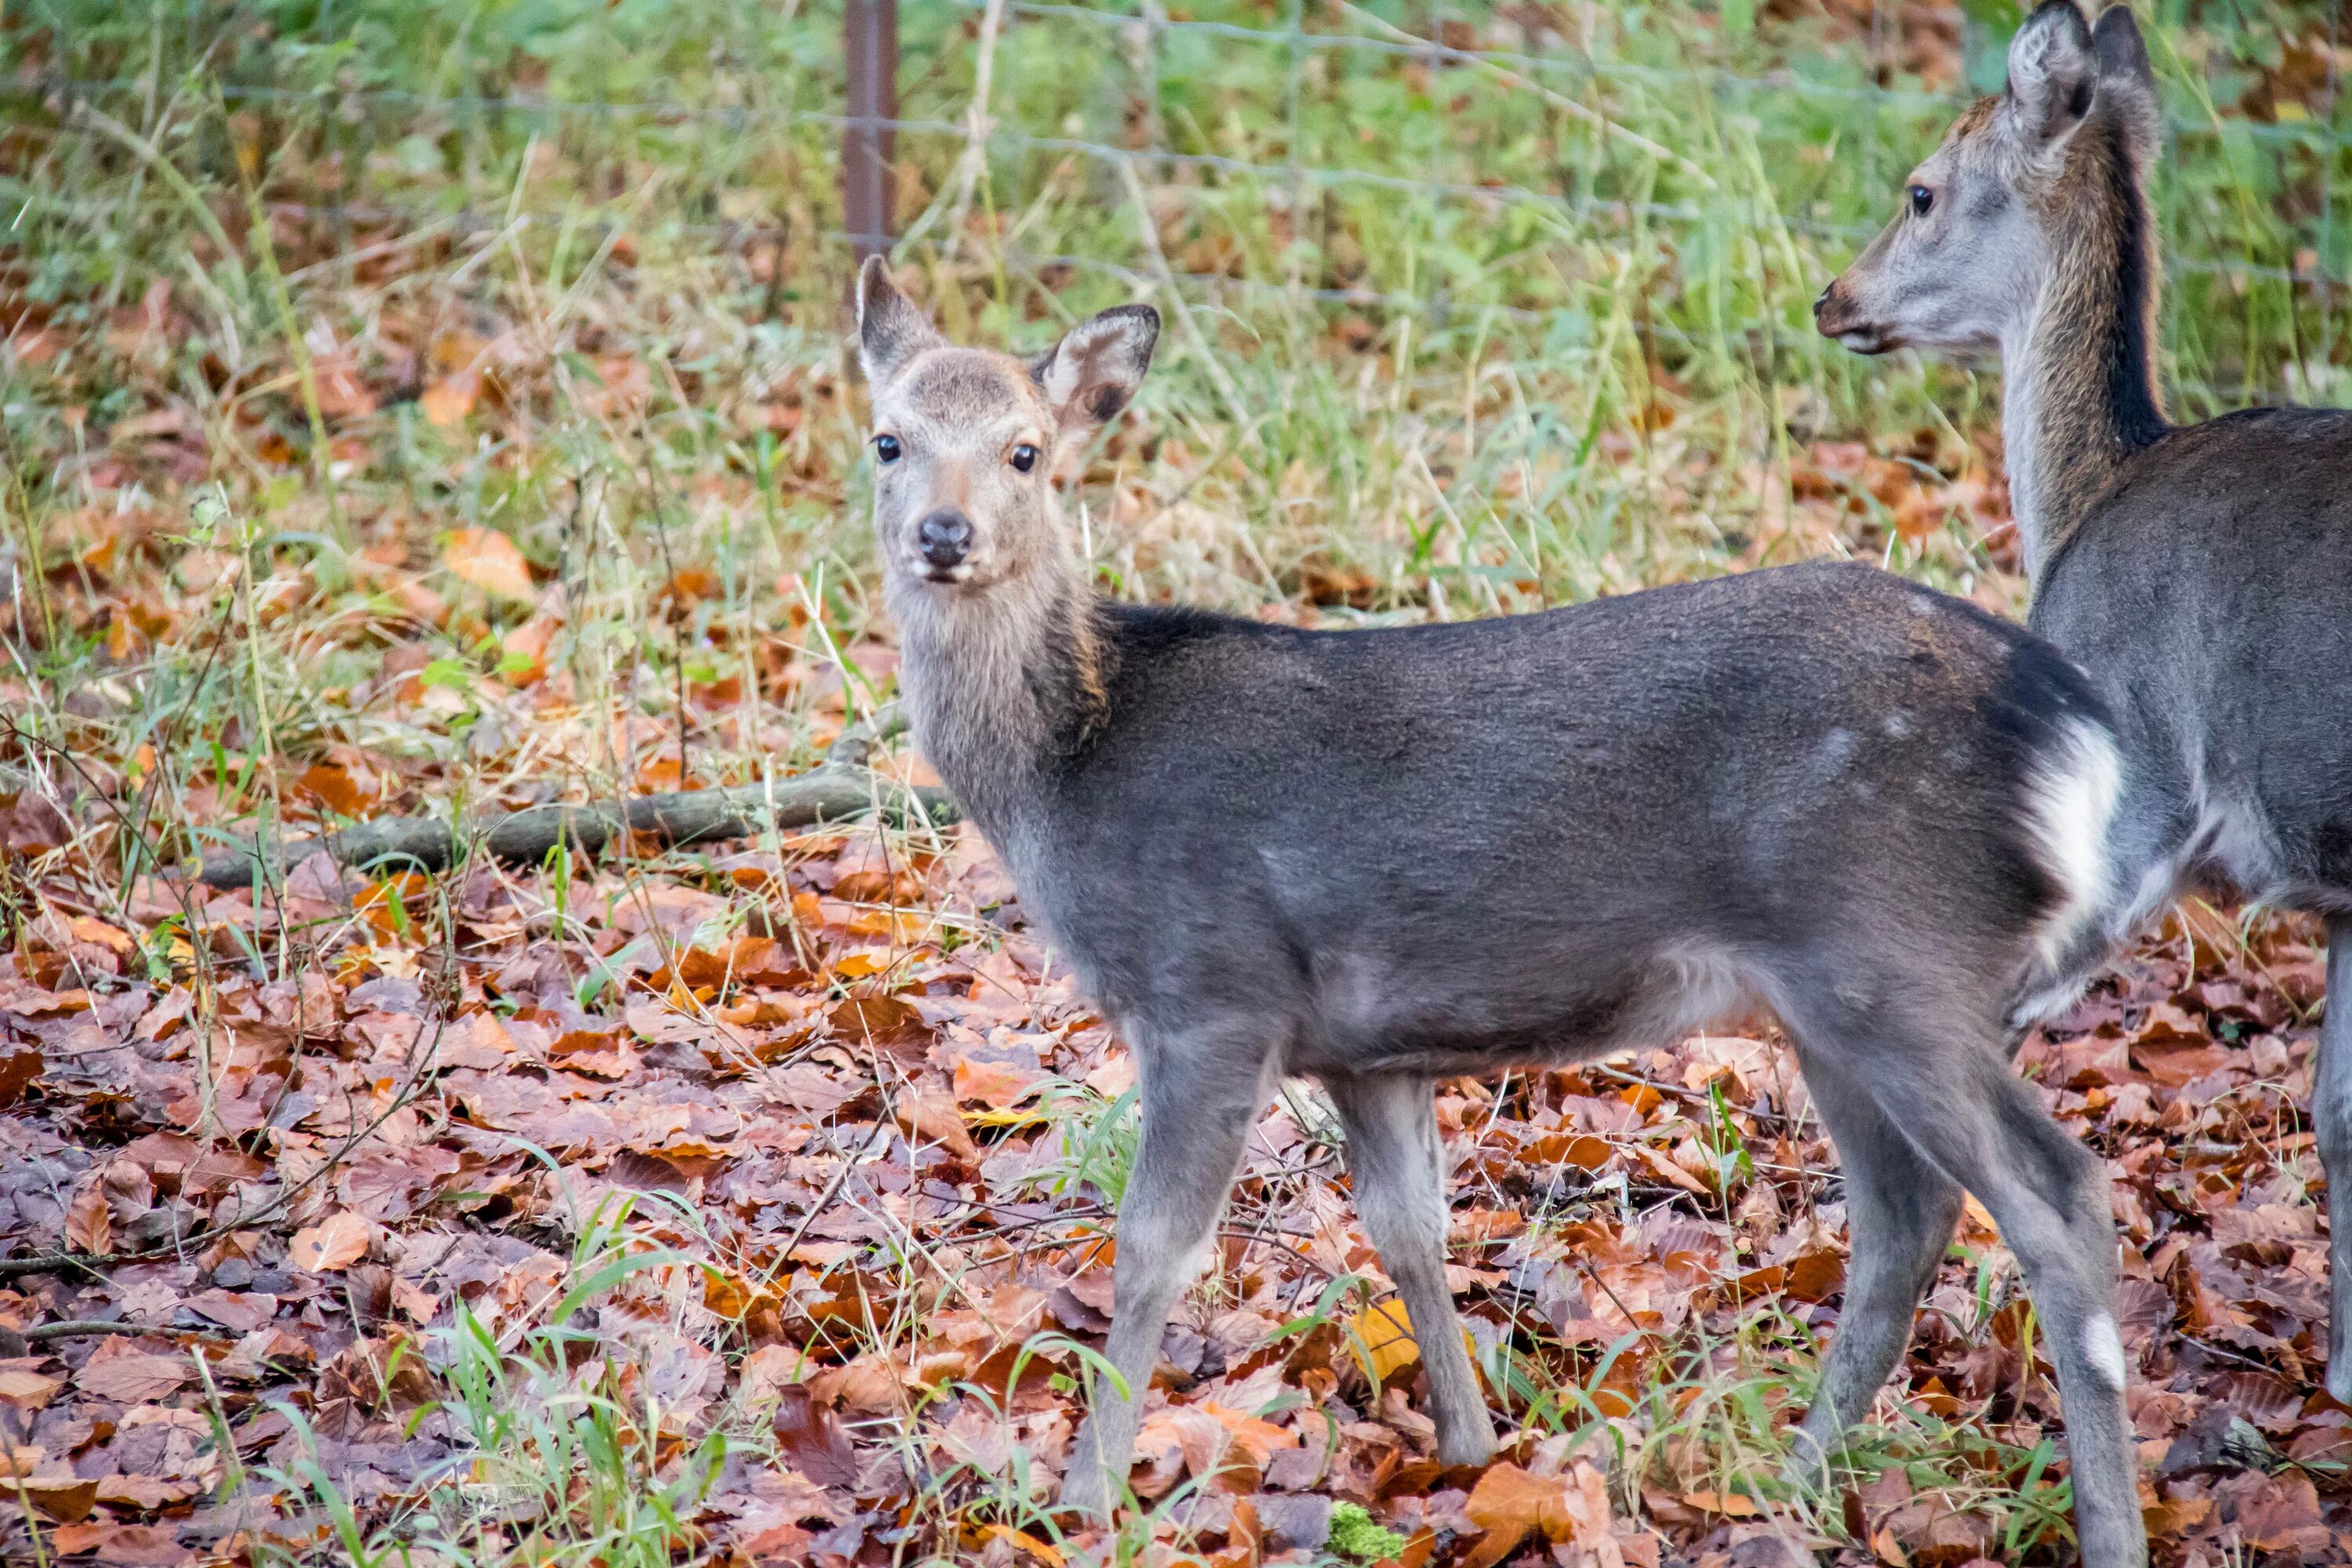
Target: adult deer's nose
column 944, row 537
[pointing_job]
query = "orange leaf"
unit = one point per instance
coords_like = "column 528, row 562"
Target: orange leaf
column 337, row 790
column 999, row 1084
column 1730, row 1505
column 334, row 1243
column 447, row 401
column 489, row 561
column 98, row 934
column 1578, row 1149
column 1049, row 1555
column 1510, row 1504
column 526, row 645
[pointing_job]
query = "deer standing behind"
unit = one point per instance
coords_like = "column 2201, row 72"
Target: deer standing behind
column 2200, row 574
column 1379, row 858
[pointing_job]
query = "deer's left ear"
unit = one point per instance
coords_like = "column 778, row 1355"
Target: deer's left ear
column 2052, row 75
column 1092, row 372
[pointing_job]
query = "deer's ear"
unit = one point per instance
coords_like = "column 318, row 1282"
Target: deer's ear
column 2127, row 79
column 1092, row 372
column 2051, row 74
column 890, row 330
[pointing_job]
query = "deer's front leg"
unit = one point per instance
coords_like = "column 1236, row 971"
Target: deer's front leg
column 1201, row 1095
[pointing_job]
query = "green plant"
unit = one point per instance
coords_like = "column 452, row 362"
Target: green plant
column 1360, row 1538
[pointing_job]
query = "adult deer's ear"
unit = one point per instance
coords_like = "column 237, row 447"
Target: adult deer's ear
column 2052, row 75
column 2126, row 81
column 1092, row 372
column 890, row 330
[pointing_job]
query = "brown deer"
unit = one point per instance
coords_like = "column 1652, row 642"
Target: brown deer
column 1379, row 858
column 2201, row 573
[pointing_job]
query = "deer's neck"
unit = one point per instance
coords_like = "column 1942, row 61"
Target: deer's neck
column 2080, row 395
column 1001, row 684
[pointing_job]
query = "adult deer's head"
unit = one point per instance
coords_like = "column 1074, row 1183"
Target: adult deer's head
column 2047, row 177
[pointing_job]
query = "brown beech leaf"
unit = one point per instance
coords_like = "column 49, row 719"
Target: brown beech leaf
column 89, row 1225
column 931, row 1113
column 63, row 1498
column 244, row 1311
column 19, row 1067
column 123, row 1545
column 120, row 1372
column 26, row 1390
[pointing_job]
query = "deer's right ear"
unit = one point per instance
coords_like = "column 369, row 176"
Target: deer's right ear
column 1092, row 372
column 890, row 330
column 2127, row 79
column 2051, row 74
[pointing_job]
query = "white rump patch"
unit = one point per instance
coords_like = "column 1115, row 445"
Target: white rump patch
column 2102, row 1347
column 2070, row 803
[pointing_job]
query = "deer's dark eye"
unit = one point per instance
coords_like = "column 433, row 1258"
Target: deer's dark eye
column 886, row 448
column 1024, row 458
column 1921, row 198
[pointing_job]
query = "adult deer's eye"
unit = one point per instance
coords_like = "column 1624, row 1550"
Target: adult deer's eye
column 1921, row 198
column 886, row 448
column 1025, row 458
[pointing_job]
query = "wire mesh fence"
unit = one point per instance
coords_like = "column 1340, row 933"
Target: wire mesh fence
column 1526, row 167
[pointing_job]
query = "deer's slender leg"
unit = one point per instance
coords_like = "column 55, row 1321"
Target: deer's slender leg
column 1901, row 1210
column 2331, row 1112
column 2049, row 1197
column 1201, row 1095
column 1398, row 1170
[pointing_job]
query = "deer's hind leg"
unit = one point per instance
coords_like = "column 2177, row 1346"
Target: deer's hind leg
column 1946, row 1088
column 1901, row 1211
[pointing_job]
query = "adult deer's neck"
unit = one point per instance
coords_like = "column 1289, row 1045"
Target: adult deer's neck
column 1001, row 684
column 2081, row 397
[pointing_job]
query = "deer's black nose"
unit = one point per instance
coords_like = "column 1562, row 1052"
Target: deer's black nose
column 1821, row 300
column 944, row 537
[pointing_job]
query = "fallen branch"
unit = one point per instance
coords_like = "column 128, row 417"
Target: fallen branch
column 17, row 1342
column 57, row 1262
column 81, row 1330
column 840, row 790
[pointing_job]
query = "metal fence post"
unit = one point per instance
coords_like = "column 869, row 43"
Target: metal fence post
column 870, row 36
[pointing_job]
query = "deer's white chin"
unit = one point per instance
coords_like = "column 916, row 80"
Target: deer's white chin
column 1868, row 339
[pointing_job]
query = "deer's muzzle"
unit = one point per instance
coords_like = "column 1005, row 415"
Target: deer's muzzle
column 944, row 539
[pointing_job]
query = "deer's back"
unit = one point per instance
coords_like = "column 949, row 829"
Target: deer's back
column 1480, row 837
column 2210, row 594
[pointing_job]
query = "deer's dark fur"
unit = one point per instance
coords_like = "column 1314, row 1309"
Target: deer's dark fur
column 1377, row 858
column 2202, row 574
